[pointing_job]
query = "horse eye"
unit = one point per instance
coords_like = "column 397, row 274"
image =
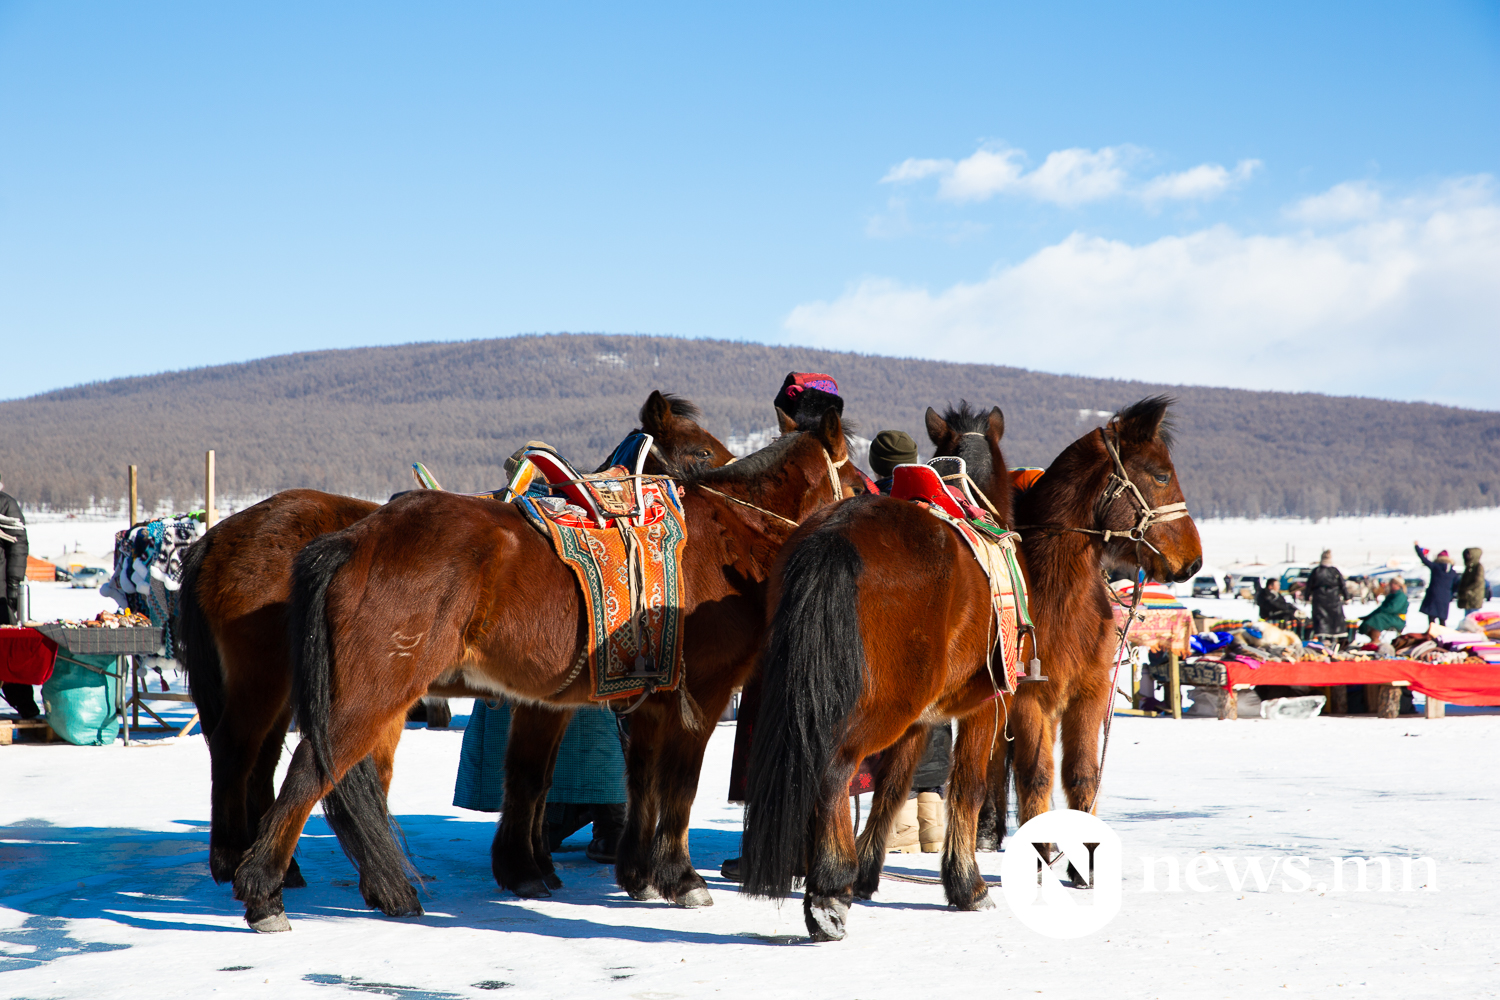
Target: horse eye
column 1163, row 477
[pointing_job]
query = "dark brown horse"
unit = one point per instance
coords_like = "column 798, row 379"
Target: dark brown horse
column 233, row 641
column 1064, row 519
column 883, row 627
column 439, row 588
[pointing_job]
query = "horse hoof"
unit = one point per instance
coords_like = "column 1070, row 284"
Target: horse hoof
column 553, row 882
column 293, row 878
column 983, row 902
column 864, row 893
column 695, row 897
column 644, row 894
column 987, row 844
column 826, row 921
column 532, row 888
column 273, row 924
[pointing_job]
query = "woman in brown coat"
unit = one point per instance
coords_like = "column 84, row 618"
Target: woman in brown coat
column 1471, row 584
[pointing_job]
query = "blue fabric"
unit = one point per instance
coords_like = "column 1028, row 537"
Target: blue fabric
column 590, row 767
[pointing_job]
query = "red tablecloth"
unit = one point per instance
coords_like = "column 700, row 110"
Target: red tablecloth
column 25, row 656
column 1458, row 683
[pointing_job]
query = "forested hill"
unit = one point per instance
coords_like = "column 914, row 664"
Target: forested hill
column 353, row 421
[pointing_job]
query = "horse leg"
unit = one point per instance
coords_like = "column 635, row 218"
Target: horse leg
column 242, row 780
column 1080, row 745
column 535, row 734
column 364, row 829
column 679, row 760
column 261, row 793
column 962, row 883
column 1033, row 728
column 832, row 864
column 892, row 786
column 633, row 854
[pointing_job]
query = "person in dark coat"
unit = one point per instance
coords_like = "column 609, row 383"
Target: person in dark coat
column 1471, row 584
column 1273, row 604
column 1325, row 589
column 13, row 552
column 1439, row 597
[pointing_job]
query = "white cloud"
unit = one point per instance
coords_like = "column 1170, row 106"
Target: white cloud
column 1341, row 203
column 1207, row 180
column 1066, row 176
column 1401, row 303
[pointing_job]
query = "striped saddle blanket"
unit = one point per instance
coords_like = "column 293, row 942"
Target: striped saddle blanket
column 992, row 544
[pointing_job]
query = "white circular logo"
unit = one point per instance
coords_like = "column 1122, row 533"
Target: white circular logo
column 1037, row 883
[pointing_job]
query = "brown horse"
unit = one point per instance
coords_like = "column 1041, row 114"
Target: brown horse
column 233, row 640
column 883, row 627
column 436, row 588
column 1075, row 521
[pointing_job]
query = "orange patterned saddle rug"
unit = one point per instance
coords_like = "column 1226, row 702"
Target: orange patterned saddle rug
column 624, row 541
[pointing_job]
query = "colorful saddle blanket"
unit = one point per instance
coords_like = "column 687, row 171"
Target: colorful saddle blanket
column 992, row 544
column 623, row 539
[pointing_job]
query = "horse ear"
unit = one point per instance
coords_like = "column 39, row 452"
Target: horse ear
column 937, row 427
column 654, row 412
column 831, row 431
column 997, row 423
column 786, row 423
column 1144, row 421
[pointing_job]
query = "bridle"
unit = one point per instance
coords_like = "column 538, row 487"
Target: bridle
column 1117, row 485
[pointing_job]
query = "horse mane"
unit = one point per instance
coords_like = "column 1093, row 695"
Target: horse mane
column 680, row 406
column 752, row 466
column 1067, row 486
column 964, row 419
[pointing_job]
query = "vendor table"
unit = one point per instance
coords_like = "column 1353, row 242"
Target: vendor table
column 121, row 643
column 1460, row 683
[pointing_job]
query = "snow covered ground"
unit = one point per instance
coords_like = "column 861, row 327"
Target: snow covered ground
column 104, row 890
column 1356, row 541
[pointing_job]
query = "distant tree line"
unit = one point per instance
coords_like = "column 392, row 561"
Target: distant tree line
column 353, row 421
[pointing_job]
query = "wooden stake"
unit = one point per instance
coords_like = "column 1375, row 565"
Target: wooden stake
column 133, row 495
column 210, row 516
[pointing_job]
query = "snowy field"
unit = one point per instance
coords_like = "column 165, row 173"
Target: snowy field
column 1356, row 541
column 104, row 889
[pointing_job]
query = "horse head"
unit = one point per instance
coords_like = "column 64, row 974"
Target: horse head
column 1118, row 483
column 974, row 436
column 804, row 469
column 681, row 445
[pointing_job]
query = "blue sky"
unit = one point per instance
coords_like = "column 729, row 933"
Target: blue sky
column 1280, row 196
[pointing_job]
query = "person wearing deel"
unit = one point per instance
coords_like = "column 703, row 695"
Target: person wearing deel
column 1390, row 616
column 1325, row 590
column 1439, row 596
column 1471, row 593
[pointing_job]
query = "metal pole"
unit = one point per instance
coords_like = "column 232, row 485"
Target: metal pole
column 1175, row 695
column 210, row 516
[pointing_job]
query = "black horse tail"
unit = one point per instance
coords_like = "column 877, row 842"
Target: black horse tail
column 355, row 808
column 196, row 649
column 814, row 670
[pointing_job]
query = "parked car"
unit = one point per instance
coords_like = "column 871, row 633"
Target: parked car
column 90, row 577
column 1206, row 586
